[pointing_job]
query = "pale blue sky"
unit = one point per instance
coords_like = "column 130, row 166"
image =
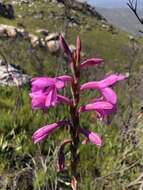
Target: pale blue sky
column 112, row 3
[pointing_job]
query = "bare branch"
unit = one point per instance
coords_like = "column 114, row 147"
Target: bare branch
column 133, row 5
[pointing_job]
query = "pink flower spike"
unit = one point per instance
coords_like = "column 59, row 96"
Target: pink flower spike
column 78, row 48
column 91, row 62
column 43, row 132
column 65, row 100
column 61, row 155
column 102, row 105
column 91, row 136
column 108, row 81
column 65, row 47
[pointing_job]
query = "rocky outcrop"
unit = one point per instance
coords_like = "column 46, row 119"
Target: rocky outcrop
column 49, row 41
column 11, row 76
column 10, row 31
column 84, row 8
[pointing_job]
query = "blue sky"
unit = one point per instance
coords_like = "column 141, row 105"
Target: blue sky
column 112, row 3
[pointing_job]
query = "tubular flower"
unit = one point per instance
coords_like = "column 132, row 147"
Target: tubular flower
column 91, row 136
column 102, row 109
column 44, row 91
column 42, row 83
column 108, row 81
column 107, row 94
column 43, row 132
column 61, row 155
column 101, row 105
column 43, row 100
column 65, row 47
column 65, row 100
column 91, row 62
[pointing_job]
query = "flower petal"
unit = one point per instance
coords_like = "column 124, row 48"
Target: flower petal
column 109, row 95
column 108, row 81
column 91, row 136
column 65, row 100
column 43, row 132
column 40, row 83
column 65, row 78
column 38, row 99
column 65, row 47
column 91, row 62
column 101, row 105
column 51, row 98
column 61, row 155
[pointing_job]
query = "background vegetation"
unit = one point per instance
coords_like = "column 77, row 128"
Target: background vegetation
column 118, row 164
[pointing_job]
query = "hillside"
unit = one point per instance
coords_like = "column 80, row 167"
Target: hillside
column 84, row 21
column 29, row 45
column 123, row 18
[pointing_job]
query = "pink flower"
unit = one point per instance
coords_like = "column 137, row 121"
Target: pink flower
column 61, row 155
column 108, row 81
column 65, row 47
column 42, row 83
column 43, row 132
column 100, row 105
column 44, row 91
column 91, row 62
column 102, row 108
column 43, row 100
column 64, row 100
column 91, row 136
column 109, row 95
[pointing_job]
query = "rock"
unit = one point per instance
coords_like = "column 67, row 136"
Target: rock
column 42, row 42
column 19, row 16
column 11, row 76
column 2, row 31
column 52, row 36
column 11, row 32
column 72, row 47
column 34, row 40
column 43, row 32
column 71, row 24
column 131, row 38
column 53, row 46
column 105, row 26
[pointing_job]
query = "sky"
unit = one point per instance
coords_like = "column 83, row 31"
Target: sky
column 112, row 3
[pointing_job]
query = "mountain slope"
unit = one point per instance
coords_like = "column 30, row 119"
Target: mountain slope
column 123, row 18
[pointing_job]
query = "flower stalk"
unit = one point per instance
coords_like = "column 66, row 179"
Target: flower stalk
column 45, row 94
column 75, row 124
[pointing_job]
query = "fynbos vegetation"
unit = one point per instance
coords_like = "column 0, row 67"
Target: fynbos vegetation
column 64, row 99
